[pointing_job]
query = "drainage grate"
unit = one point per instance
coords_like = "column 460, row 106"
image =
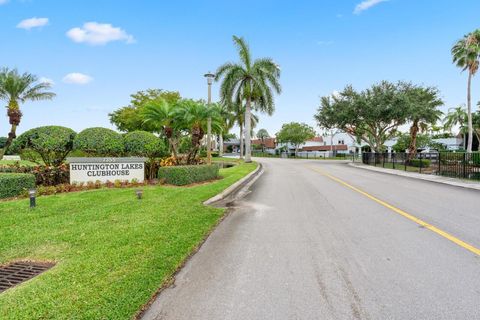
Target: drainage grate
column 18, row 272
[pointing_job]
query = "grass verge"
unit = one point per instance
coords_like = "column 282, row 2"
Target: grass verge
column 112, row 251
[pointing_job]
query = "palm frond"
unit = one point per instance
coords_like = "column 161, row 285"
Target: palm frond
column 243, row 51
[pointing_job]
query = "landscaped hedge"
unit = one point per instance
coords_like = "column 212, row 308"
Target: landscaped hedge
column 14, row 184
column 183, row 175
column 51, row 144
column 99, row 142
column 424, row 163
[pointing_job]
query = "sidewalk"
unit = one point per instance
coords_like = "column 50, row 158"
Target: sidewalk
column 469, row 184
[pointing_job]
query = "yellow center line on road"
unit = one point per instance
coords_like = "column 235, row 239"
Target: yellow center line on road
column 422, row 223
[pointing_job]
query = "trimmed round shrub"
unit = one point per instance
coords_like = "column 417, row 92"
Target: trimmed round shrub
column 99, row 142
column 49, row 143
column 144, row 144
column 14, row 184
column 3, row 141
column 183, row 175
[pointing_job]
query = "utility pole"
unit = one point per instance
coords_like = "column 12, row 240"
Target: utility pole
column 209, row 77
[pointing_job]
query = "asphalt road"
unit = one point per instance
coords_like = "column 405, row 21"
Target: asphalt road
column 303, row 245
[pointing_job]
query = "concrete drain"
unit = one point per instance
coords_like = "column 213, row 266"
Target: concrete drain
column 18, row 272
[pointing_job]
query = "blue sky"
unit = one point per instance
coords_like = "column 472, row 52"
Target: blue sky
column 321, row 46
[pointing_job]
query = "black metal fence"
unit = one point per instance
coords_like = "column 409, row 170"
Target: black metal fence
column 301, row 155
column 451, row 164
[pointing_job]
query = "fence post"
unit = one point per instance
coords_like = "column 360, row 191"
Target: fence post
column 439, row 163
column 465, row 165
column 383, row 160
column 405, row 160
column 421, row 162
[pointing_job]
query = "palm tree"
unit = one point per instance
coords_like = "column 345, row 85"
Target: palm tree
column 424, row 103
column 456, row 116
column 262, row 134
column 466, row 53
column 18, row 88
column 163, row 117
column 238, row 109
column 252, row 82
column 194, row 115
column 228, row 121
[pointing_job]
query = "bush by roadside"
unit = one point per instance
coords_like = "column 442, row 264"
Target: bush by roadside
column 183, row 175
column 419, row 163
column 14, row 184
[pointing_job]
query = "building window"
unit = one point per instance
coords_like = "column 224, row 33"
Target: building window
column 341, row 141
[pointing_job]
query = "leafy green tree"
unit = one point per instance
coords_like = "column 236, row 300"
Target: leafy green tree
column 295, row 133
column 404, row 142
column 18, row 88
column 457, row 117
column 130, row 118
column 251, row 81
column 423, row 112
column 162, row 117
column 262, row 134
column 51, row 143
column 466, row 55
column 372, row 115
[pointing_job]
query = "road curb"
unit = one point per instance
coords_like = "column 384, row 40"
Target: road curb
column 431, row 178
column 236, row 186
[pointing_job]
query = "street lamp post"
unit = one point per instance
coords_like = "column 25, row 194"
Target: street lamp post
column 209, row 77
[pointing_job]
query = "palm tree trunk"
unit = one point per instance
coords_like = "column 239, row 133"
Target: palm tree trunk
column 412, row 148
column 248, row 131
column 14, row 116
column 220, row 145
column 469, row 113
column 241, row 141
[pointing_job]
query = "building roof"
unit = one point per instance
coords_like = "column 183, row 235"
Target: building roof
column 268, row 142
column 316, row 139
column 326, row 148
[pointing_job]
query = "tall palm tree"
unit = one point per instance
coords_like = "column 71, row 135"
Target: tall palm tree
column 18, row 88
column 163, row 117
column 457, row 116
column 238, row 109
column 251, row 81
column 423, row 112
column 466, row 54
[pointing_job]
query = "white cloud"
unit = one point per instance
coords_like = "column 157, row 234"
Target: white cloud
column 35, row 22
column 366, row 4
column 47, row 80
column 77, row 78
column 335, row 94
column 3, row 2
column 98, row 34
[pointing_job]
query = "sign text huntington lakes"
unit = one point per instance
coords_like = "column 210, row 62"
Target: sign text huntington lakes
column 106, row 169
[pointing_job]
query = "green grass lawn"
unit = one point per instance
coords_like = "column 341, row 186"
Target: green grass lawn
column 401, row 167
column 112, row 251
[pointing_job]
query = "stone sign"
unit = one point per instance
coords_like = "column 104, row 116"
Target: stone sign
column 106, row 169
